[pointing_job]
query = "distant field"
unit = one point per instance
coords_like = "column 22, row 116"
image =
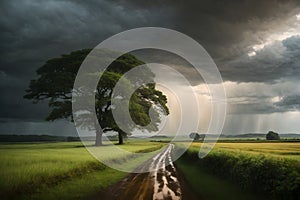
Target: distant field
column 31, row 168
column 289, row 150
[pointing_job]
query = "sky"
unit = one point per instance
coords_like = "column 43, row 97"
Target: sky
column 255, row 44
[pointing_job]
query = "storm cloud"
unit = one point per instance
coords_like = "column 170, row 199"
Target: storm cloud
column 34, row 31
column 255, row 43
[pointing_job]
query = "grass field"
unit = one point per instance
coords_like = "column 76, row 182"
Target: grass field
column 66, row 170
column 45, row 168
column 289, row 150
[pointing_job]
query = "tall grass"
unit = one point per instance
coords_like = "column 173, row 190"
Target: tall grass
column 277, row 177
column 289, row 150
column 24, row 168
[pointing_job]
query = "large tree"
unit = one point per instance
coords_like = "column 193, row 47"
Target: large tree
column 55, row 83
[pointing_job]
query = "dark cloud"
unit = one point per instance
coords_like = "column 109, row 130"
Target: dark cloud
column 290, row 103
column 264, row 104
column 229, row 30
column 262, row 98
column 61, row 127
column 276, row 62
column 34, row 31
column 13, row 106
column 225, row 28
column 176, row 62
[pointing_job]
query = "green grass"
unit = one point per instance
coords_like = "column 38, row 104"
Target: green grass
column 210, row 187
column 31, row 168
column 79, row 187
column 27, row 163
column 266, row 171
column 66, row 170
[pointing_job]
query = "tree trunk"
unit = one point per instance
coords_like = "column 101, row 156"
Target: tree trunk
column 120, row 134
column 98, row 141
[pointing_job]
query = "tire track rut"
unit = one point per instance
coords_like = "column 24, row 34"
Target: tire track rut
column 162, row 183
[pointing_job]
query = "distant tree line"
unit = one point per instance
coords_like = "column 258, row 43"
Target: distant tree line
column 37, row 138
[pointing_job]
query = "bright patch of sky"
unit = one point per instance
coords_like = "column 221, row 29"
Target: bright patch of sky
column 294, row 29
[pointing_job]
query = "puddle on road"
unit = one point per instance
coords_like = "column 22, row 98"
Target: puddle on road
column 166, row 185
column 160, row 184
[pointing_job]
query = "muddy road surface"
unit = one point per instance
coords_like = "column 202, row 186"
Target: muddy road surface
column 163, row 183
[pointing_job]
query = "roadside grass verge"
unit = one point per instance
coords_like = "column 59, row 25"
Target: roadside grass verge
column 274, row 177
column 210, row 187
column 78, row 187
column 26, row 169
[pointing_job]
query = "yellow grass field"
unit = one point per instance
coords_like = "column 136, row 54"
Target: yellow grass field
column 290, row 150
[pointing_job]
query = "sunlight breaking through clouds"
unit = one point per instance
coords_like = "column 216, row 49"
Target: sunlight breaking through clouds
column 293, row 30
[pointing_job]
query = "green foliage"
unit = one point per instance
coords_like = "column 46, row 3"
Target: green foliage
column 55, row 82
column 194, row 136
column 56, row 79
column 272, row 136
column 197, row 136
column 209, row 186
column 278, row 178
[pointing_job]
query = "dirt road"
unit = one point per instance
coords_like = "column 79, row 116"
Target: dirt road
column 163, row 183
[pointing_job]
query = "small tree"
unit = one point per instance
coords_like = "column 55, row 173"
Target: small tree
column 197, row 136
column 194, row 136
column 272, row 136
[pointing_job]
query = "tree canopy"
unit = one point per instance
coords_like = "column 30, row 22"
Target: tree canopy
column 55, row 83
column 272, row 136
column 197, row 136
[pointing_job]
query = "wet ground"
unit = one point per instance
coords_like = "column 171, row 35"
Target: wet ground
column 163, row 183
